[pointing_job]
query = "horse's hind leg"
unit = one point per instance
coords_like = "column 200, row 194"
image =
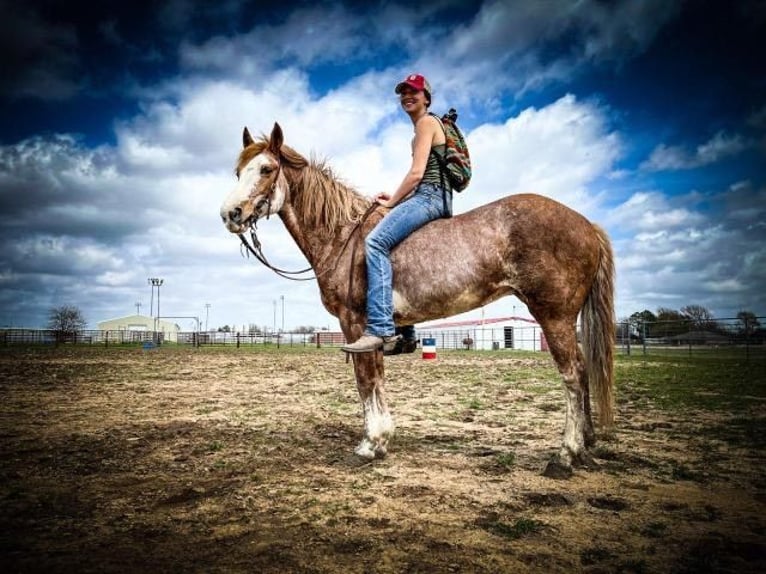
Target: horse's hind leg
column 378, row 423
column 578, row 428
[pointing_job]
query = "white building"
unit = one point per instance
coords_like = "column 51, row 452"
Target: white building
column 138, row 328
column 486, row 334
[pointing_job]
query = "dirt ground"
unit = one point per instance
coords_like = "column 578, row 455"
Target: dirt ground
column 237, row 461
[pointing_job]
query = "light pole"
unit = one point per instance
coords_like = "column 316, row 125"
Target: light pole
column 282, row 297
column 151, row 299
column 207, row 311
column 156, row 282
column 275, row 316
column 138, row 307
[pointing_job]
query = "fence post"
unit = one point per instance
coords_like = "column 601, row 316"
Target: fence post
column 643, row 336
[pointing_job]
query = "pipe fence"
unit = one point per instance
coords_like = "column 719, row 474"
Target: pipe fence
column 732, row 336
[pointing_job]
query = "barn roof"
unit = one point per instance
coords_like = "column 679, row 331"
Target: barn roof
column 477, row 322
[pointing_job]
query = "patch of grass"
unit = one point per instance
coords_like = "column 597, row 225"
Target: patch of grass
column 506, row 460
column 706, row 382
column 655, row 530
column 521, row 527
column 215, row 446
column 633, row 565
column 738, row 431
column 591, row 556
column 474, row 404
column 683, row 472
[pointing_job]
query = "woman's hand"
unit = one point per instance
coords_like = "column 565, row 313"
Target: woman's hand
column 384, row 199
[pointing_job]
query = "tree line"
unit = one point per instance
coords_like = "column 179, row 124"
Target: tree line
column 691, row 318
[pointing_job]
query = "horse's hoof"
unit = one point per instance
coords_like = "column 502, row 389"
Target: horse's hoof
column 586, row 461
column 557, row 469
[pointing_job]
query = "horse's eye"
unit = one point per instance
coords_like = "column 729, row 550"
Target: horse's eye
column 266, row 169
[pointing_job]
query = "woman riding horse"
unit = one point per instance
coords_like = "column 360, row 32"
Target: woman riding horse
column 419, row 199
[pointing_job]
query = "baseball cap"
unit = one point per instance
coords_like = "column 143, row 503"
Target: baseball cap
column 415, row 81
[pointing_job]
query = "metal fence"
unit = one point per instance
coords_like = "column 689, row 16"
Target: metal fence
column 15, row 336
column 731, row 336
column 723, row 336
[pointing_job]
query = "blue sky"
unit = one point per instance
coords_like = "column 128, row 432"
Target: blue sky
column 120, row 124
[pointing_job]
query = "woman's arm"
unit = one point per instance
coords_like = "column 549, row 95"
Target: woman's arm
column 425, row 130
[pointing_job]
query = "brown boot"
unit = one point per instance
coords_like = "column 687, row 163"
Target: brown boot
column 368, row 343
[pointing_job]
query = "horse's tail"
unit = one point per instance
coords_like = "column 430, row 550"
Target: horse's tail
column 598, row 332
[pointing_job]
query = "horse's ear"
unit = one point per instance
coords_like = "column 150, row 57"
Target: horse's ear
column 275, row 140
column 247, row 139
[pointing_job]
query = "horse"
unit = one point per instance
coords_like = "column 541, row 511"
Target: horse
column 546, row 254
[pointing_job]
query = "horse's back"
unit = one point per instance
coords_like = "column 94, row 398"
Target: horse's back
column 526, row 244
column 520, row 221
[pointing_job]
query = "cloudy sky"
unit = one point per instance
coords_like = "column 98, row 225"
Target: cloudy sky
column 120, row 125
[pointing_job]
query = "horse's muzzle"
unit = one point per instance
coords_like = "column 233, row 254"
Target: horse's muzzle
column 234, row 221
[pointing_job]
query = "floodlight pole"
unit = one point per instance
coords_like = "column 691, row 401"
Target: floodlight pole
column 151, row 299
column 156, row 282
column 207, row 311
column 282, row 297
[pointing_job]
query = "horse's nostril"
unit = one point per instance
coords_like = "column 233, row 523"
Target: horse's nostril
column 235, row 214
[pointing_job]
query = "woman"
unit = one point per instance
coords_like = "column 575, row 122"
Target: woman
column 420, row 198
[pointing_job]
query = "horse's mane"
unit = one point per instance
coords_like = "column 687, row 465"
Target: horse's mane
column 319, row 198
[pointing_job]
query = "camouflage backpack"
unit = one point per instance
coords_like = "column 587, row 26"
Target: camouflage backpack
column 456, row 163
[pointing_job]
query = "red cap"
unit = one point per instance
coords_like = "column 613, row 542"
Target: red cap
column 416, row 82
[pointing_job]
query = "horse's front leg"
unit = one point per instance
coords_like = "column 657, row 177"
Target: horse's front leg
column 378, row 423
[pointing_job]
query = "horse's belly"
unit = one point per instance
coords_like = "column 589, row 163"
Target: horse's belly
column 417, row 306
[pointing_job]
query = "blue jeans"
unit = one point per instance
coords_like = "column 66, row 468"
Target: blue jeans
column 427, row 203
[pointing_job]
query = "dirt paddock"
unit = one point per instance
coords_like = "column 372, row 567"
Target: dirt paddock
column 217, row 460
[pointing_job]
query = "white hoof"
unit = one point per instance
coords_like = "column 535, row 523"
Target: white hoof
column 365, row 449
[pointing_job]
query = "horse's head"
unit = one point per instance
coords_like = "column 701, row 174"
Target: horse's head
column 261, row 185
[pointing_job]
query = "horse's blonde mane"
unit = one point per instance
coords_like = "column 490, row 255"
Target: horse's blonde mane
column 320, row 199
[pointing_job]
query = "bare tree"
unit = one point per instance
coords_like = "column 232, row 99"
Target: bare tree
column 66, row 320
column 701, row 319
column 748, row 323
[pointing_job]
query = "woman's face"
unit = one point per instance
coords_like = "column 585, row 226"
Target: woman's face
column 411, row 99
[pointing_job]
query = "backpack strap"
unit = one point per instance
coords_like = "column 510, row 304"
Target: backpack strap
column 442, row 165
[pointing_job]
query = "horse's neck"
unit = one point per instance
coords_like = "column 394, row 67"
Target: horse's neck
column 319, row 244
column 302, row 237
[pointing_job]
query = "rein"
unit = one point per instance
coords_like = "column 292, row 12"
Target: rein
column 257, row 250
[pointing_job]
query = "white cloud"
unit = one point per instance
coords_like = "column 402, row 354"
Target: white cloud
column 720, row 146
column 651, row 211
column 693, row 249
column 555, row 151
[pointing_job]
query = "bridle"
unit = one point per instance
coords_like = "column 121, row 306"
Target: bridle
column 255, row 248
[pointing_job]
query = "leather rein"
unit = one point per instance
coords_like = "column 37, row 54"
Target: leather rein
column 255, row 248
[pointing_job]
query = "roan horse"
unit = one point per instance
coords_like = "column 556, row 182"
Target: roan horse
column 549, row 256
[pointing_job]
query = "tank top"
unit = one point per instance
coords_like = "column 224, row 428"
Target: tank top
column 433, row 171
